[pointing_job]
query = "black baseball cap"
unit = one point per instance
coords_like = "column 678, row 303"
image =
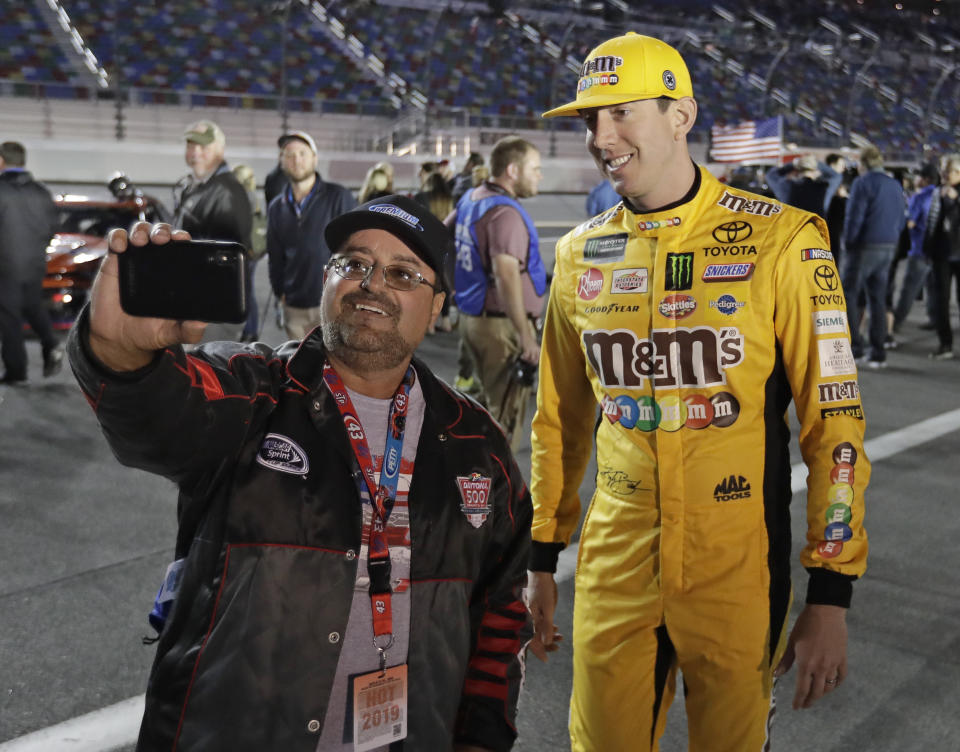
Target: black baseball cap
column 409, row 220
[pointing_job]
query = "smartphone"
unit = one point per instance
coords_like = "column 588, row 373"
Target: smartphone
column 187, row 280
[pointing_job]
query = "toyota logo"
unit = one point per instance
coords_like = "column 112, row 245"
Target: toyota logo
column 826, row 278
column 732, row 232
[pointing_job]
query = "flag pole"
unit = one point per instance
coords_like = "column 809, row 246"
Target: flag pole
column 779, row 140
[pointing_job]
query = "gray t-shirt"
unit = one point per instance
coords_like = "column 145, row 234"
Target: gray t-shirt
column 358, row 655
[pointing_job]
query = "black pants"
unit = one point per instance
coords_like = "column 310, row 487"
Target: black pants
column 22, row 301
column 943, row 273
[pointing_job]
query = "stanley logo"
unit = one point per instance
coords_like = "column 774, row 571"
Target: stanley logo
column 732, row 488
column 679, row 271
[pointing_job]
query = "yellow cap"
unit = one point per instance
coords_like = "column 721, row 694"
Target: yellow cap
column 627, row 68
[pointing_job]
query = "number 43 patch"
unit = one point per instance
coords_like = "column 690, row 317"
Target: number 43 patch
column 475, row 492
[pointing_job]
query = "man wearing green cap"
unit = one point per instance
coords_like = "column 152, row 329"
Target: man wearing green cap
column 690, row 314
column 210, row 203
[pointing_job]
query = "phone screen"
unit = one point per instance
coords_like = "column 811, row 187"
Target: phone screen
column 186, row 280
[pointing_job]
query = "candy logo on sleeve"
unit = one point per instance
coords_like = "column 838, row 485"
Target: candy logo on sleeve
column 475, row 493
column 280, row 453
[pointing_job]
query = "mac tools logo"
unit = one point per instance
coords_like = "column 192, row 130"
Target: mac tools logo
column 732, row 488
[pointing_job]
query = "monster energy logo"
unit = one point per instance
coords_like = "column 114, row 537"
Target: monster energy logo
column 679, row 271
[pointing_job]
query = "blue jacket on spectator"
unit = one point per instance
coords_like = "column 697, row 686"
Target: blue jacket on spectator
column 601, row 197
column 875, row 211
column 809, row 194
column 297, row 251
column 918, row 209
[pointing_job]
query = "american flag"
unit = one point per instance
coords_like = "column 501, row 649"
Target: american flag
column 750, row 140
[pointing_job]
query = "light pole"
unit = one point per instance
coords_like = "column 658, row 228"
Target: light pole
column 871, row 59
column 118, row 93
column 282, row 9
column 551, row 125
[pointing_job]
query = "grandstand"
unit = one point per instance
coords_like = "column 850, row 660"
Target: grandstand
column 422, row 74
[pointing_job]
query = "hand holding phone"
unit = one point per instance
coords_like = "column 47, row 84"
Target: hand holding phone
column 120, row 341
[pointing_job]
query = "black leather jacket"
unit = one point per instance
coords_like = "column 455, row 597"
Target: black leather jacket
column 28, row 219
column 216, row 209
column 247, row 658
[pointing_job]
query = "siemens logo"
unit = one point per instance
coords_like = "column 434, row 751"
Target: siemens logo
column 829, row 322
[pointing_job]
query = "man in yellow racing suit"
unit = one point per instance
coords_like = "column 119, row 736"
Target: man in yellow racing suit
column 691, row 314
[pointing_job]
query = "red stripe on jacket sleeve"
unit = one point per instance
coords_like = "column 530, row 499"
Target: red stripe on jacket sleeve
column 493, row 620
column 489, row 666
column 498, row 644
column 203, row 374
column 485, row 689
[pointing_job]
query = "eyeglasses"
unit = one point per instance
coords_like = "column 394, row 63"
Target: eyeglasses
column 397, row 276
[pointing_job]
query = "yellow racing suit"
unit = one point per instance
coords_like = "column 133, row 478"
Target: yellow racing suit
column 691, row 328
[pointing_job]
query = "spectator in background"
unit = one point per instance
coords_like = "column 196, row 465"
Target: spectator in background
column 276, row 179
column 210, row 203
column 601, row 197
column 835, row 216
column 425, row 170
column 258, row 246
column 445, row 169
column 500, row 279
column 376, row 184
column 297, row 251
column 874, row 217
column 804, row 183
column 436, row 197
column 463, row 180
column 28, row 220
column 945, row 256
column 838, row 164
column 387, row 167
column 479, row 174
column 920, row 230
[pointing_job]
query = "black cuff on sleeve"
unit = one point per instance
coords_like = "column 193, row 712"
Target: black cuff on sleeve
column 82, row 337
column 543, row 556
column 829, row 588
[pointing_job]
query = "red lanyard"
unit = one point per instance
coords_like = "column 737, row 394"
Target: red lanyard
column 382, row 496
